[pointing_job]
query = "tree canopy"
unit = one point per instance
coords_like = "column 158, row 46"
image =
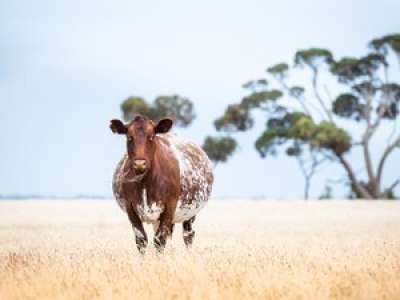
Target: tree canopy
column 312, row 123
column 219, row 149
column 178, row 108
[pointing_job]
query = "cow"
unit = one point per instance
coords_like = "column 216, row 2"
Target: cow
column 162, row 180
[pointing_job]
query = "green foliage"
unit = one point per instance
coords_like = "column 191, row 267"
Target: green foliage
column 263, row 82
column 300, row 127
column 219, row 149
column 303, row 128
column 133, row 106
column 365, row 89
column 280, row 130
column 267, row 143
column 313, row 57
column 260, row 99
column 349, row 69
column 178, row 108
column 348, row 106
column 235, row 118
column 383, row 44
column 391, row 93
column 294, row 150
column 254, row 84
column 329, row 136
column 279, row 71
column 296, row 91
column 390, row 111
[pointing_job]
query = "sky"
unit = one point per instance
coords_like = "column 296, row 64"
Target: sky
column 67, row 65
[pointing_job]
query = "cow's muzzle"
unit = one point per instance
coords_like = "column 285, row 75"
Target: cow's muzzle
column 140, row 166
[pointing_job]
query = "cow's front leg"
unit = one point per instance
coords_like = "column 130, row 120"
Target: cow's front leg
column 140, row 234
column 165, row 229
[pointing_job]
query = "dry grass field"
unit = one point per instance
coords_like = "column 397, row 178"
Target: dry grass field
column 243, row 250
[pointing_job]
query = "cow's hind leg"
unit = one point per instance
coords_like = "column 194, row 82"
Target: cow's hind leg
column 140, row 234
column 188, row 232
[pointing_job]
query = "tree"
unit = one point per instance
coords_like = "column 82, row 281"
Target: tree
column 317, row 128
column 219, row 149
column 180, row 109
column 386, row 44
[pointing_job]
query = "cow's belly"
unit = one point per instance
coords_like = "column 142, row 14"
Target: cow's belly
column 149, row 214
column 183, row 212
column 186, row 211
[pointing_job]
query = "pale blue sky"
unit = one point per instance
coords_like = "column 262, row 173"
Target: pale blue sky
column 67, row 65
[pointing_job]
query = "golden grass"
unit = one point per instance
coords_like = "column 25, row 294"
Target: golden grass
column 243, row 250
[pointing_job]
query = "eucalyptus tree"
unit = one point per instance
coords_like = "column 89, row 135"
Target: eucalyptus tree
column 315, row 127
column 180, row 109
column 219, row 149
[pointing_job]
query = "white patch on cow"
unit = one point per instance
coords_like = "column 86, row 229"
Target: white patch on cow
column 194, row 185
column 155, row 226
column 148, row 214
column 184, row 212
column 187, row 233
column 117, row 182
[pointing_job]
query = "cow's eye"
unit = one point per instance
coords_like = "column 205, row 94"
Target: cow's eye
column 151, row 138
column 130, row 139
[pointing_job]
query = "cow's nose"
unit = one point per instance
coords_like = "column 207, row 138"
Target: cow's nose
column 139, row 165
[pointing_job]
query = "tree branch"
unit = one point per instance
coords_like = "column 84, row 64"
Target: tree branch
column 393, row 131
column 393, row 185
column 372, row 127
column 312, row 169
column 301, row 100
column 318, row 96
column 368, row 163
column 385, row 155
column 303, row 105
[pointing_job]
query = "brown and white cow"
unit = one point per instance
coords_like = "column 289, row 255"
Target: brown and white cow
column 162, row 179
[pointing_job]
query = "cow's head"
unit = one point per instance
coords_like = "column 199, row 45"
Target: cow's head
column 140, row 139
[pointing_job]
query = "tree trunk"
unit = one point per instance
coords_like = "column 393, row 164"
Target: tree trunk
column 372, row 186
column 306, row 188
column 357, row 186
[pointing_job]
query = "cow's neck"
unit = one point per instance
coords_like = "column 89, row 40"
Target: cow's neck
column 149, row 179
column 163, row 175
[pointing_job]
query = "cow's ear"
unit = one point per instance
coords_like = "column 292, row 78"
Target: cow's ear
column 163, row 126
column 117, row 126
